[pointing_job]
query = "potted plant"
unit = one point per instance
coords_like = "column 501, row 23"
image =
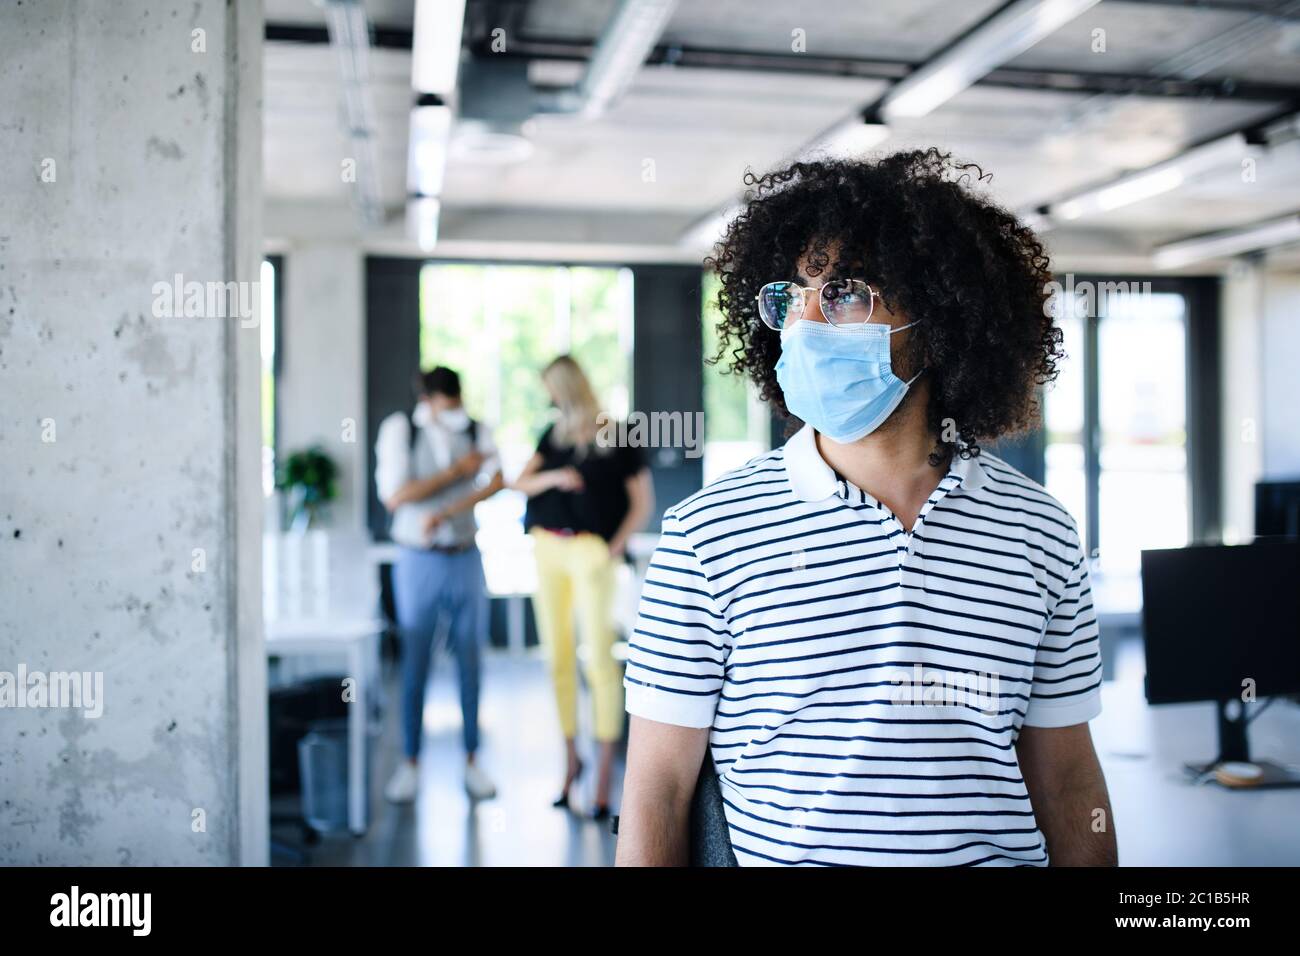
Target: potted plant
column 310, row 477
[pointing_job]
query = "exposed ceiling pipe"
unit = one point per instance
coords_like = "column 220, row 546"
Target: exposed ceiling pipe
column 1231, row 242
column 1004, row 36
column 1224, row 155
column 1192, row 64
column 350, row 37
column 1166, row 176
column 621, row 51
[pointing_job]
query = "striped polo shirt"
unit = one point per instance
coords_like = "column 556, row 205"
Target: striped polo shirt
column 865, row 686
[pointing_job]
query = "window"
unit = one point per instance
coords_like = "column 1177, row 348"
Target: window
column 498, row 326
column 1142, row 388
column 737, row 426
column 1117, row 419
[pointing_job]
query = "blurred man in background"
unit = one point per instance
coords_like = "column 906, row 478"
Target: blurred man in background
column 434, row 465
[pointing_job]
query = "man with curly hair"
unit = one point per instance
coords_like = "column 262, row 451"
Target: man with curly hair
column 882, row 636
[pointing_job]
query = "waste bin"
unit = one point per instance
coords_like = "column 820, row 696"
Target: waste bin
column 323, row 764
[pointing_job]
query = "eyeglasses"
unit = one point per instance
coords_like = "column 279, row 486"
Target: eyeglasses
column 843, row 302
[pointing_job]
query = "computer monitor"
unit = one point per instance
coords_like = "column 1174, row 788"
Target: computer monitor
column 1216, row 617
column 1277, row 509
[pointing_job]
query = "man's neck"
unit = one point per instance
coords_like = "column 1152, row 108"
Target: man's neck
column 891, row 464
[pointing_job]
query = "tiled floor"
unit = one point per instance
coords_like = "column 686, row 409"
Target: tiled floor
column 1161, row 819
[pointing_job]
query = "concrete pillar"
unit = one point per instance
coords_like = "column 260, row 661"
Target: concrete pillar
column 320, row 393
column 1240, row 370
column 1280, row 333
column 130, row 505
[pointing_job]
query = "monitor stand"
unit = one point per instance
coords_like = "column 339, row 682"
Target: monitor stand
column 1234, row 747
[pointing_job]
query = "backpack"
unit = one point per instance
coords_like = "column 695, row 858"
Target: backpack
column 710, row 835
column 413, row 432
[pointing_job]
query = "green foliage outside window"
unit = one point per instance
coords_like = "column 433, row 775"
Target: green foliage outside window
column 499, row 325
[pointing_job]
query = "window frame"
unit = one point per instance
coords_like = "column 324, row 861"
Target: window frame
column 1202, row 402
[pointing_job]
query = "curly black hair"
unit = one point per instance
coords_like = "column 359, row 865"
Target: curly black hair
column 937, row 251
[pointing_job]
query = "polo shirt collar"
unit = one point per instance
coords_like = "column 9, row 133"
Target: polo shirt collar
column 810, row 477
column 969, row 471
column 814, row 480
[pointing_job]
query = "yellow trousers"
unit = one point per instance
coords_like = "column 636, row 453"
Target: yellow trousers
column 575, row 578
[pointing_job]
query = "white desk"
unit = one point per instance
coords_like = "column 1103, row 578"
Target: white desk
column 357, row 640
column 1118, row 601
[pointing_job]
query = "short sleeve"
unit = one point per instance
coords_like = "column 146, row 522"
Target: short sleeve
column 392, row 455
column 631, row 460
column 544, row 447
column 1067, row 667
column 678, row 649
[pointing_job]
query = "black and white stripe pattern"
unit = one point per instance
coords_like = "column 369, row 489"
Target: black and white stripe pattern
column 780, row 610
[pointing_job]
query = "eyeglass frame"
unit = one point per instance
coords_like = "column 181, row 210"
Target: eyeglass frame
column 820, row 290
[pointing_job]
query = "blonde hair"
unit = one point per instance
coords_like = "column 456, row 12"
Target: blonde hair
column 579, row 409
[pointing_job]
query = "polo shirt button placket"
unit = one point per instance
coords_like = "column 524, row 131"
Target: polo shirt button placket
column 913, row 562
column 900, row 553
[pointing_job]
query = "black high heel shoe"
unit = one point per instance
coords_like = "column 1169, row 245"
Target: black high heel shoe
column 600, row 812
column 562, row 801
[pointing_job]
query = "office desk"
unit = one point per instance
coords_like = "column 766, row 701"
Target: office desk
column 357, row 640
column 1161, row 819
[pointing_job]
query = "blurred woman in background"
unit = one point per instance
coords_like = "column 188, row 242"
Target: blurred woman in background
column 586, row 498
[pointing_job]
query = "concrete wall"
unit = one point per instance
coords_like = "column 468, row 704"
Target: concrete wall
column 129, row 446
column 320, row 394
column 1241, row 427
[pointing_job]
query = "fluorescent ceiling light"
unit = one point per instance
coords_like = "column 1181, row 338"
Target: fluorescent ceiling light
column 427, row 149
column 1137, row 188
column 422, row 213
column 1233, row 242
column 1002, row 38
column 435, row 45
column 1154, row 180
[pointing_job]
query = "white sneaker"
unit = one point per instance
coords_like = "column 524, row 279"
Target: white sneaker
column 404, row 783
column 478, row 784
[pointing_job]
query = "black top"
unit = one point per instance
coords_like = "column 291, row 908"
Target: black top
column 602, row 504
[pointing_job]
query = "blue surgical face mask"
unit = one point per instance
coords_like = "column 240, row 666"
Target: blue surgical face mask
column 839, row 379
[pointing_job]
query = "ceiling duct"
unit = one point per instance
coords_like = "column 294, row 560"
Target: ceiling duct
column 496, row 99
column 619, row 54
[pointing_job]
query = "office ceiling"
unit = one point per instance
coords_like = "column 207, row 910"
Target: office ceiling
column 1058, row 118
